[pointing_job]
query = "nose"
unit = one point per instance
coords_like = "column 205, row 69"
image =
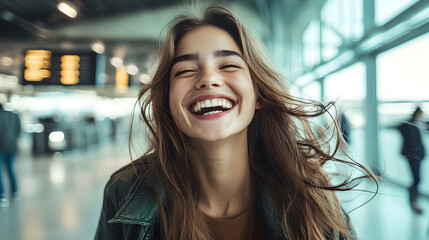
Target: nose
column 208, row 79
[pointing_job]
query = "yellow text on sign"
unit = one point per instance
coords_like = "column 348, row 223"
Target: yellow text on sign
column 122, row 78
column 70, row 69
column 37, row 65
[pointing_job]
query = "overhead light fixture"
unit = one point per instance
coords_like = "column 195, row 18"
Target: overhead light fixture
column 56, row 136
column 145, row 78
column 6, row 61
column 115, row 61
column 132, row 69
column 67, row 9
column 98, row 47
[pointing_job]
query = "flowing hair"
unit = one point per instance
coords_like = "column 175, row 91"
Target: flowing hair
column 286, row 156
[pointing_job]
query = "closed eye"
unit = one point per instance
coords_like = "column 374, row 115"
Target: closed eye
column 184, row 71
column 230, row 65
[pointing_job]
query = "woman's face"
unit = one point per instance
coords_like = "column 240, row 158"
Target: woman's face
column 211, row 96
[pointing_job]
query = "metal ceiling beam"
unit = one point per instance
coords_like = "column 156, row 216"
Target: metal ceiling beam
column 24, row 24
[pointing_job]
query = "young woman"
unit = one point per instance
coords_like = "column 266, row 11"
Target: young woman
column 232, row 154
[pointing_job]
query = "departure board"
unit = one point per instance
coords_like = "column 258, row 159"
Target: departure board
column 50, row 67
column 122, row 78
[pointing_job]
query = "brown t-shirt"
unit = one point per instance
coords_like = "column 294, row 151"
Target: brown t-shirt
column 246, row 226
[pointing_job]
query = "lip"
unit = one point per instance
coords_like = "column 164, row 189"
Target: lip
column 211, row 96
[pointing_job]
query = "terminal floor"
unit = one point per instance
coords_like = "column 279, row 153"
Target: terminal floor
column 62, row 196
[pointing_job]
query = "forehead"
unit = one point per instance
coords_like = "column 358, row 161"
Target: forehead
column 206, row 39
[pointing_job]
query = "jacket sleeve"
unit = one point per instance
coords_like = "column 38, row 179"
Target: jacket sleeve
column 105, row 230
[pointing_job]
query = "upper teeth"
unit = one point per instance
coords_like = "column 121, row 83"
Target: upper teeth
column 216, row 102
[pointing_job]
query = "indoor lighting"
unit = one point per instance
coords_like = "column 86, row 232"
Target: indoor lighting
column 6, row 61
column 115, row 61
column 67, row 9
column 145, row 78
column 56, row 136
column 132, row 69
column 97, row 47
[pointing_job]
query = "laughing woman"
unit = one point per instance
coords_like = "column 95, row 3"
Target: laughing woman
column 231, row 154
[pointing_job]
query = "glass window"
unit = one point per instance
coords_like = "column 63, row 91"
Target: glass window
column 402, row 85
column 348, row 88
column 342, row 22
column 402, row 72
column 312, row 91
column 312, row 44
column 347, row 84
column 388, row 9
column 331, row 44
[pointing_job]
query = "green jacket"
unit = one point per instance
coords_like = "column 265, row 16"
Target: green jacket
column 129, row 212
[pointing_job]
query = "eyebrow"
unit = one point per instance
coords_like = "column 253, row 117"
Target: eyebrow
column 195, row 56
column 226, row 53
column 186, row 57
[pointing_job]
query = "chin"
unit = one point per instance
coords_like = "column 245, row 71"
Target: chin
column 210, row 137
column 217, row 135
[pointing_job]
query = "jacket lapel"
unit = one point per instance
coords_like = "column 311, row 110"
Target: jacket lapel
column 140, row 206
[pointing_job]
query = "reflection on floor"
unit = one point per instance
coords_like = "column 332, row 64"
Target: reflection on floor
column 62, row 195
column 388, row 215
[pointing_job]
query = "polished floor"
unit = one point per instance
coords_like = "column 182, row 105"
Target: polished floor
column 62, row 196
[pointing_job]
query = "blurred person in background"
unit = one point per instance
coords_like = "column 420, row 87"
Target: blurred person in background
column 413, row 150
column 10, row 128
column 345, row 127
column 226, row 160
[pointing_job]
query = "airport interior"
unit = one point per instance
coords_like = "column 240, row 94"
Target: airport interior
column 368, row 56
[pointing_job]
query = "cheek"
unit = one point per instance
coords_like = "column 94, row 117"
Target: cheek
column 173, row 96
column 176, row 97
column 246, row 89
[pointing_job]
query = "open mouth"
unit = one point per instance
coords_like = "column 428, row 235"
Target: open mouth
column 211, row 106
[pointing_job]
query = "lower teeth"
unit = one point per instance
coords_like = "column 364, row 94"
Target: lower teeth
column 212, row 112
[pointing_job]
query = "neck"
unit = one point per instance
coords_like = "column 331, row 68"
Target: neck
column 224, row 174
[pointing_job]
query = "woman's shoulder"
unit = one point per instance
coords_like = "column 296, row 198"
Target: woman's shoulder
column 130, row 175
column 126, row 201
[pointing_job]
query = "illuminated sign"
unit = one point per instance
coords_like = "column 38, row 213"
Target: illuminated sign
column 37, row 65
column 122, row 78
column 49, row 67
column 70, row 69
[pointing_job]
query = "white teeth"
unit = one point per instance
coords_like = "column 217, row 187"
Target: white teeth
column 219, row 102
column 227, row 105
column 224, row 103
column 207, row 103
column 212, row 112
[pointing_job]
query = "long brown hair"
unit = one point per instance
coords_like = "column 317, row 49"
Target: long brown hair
column 286, row 156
